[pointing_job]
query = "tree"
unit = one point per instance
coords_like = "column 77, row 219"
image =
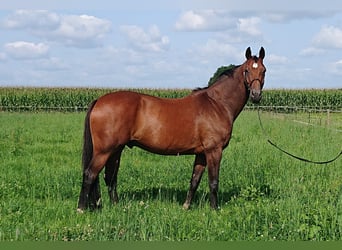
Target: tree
column 219, row 72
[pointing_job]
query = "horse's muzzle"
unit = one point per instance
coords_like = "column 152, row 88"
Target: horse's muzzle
column 255, row 95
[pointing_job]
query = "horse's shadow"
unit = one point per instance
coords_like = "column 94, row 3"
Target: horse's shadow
column 163, row 194
column 178, row 195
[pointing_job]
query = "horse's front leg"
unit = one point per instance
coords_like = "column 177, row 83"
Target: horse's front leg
column 213, row 162
column 199, row 166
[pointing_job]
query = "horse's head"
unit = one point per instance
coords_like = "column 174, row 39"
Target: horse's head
column 254, row 74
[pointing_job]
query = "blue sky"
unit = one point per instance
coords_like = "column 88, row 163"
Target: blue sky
column 167, row 44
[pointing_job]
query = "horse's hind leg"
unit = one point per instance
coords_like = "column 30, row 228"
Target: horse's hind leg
column 90, row 194
column 199, row 167
column 95, row 201
column 111, row 175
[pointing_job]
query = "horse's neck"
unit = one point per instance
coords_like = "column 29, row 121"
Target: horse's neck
column 230, row 92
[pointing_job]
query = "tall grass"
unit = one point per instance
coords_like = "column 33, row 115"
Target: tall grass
column 264, row 195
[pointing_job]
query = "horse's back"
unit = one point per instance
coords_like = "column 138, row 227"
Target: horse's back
column 118, row 97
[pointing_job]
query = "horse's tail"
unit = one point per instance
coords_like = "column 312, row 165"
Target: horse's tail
column 87, row 153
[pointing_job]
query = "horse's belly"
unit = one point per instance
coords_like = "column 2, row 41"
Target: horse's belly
column 161, row 149
column 168, row 143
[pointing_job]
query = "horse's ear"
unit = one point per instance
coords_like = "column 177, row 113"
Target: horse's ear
column 248, row 53
column 262, row 53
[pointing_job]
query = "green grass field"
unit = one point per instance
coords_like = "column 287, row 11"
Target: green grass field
column 264, row 194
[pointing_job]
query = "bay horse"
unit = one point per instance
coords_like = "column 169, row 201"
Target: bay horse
column 199, row 124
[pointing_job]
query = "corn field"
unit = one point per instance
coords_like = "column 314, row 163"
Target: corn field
column 78, row 99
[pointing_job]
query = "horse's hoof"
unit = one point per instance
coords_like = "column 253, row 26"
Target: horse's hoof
column 186, row 206
column 80, row 211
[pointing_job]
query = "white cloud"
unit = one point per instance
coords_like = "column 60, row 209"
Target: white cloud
column 190, row 21
column 291, row 15
column 336, row 67
column 275, row 59
column 51, row 64
column 214, row 47
column 266, row 5
column 26, row 50
column 150, row 40
column 250, row 26
column 217, row 52
column 204, row 20
column 32, row 19
column 247, row 21
column 81, row 30
column 70, row 30
column 329, row 37
column 311, row 51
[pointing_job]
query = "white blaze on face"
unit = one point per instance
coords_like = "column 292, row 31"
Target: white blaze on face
column 255, row 65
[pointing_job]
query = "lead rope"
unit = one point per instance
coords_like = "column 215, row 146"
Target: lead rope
column 290, row 154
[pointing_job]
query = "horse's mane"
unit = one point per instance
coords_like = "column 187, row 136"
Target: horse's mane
column 218, row 75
